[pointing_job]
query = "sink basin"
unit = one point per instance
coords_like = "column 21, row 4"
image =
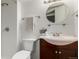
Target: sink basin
column 60, row 40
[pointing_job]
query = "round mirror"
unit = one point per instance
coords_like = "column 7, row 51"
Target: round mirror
column 56, row 14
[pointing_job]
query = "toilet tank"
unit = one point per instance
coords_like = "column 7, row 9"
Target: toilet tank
column 28, row 44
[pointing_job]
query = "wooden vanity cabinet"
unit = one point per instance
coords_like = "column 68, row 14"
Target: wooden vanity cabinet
column 50, row 51
column 47, row 51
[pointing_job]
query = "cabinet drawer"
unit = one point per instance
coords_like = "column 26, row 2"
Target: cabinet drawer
column 69, row 46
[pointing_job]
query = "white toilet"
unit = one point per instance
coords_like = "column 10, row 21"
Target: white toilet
column 26, row 53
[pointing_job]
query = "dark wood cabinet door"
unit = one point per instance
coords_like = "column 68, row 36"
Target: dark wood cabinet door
column 66, row 54
column 47, row 51
column 68, row 51
column 50, row 51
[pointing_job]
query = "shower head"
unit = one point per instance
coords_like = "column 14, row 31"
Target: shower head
column 3, row 4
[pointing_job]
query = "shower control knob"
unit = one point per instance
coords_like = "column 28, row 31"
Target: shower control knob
column 7, row 29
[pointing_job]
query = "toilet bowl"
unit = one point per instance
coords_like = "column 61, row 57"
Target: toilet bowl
column 27, row 46
column 22, row 55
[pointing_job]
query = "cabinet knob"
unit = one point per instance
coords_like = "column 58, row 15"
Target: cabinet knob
column 56, row 52
column 60, row 52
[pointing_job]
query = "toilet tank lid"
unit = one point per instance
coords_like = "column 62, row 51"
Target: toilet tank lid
column 22, row 55
column 30, row 39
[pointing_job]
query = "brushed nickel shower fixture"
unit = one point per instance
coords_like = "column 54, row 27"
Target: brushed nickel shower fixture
column 3, row 4
column 7, row 29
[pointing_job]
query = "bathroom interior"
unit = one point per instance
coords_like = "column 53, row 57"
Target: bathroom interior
column 39, row 29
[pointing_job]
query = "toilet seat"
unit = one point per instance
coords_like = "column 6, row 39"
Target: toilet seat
column 22, row 55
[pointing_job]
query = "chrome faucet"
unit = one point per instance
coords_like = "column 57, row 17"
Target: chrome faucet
column 57, row 34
